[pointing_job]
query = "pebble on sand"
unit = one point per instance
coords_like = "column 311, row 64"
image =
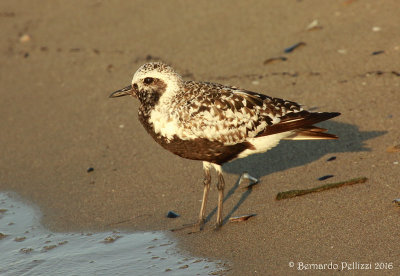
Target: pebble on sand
column 172, row 214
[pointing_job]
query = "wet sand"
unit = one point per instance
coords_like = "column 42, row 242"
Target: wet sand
column 61, row 60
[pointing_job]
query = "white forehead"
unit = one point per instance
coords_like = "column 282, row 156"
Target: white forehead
column 160, row 71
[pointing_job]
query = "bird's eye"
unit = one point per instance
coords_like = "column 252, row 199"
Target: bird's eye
column 148, row 80
column 135, row 86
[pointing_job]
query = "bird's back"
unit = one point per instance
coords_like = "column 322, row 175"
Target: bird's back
column 231, row 115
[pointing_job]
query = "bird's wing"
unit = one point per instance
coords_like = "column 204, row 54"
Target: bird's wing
column 232, row 115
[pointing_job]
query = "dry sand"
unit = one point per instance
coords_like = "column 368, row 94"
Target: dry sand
column 56, row 122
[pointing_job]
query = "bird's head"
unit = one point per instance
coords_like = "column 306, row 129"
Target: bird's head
column 151, row 81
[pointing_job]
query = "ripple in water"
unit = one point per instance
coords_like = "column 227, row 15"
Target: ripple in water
column 27, row 248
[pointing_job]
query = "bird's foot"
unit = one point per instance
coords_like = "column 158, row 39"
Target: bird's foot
column 217, row 226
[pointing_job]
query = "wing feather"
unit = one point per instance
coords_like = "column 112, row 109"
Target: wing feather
column 232, row 115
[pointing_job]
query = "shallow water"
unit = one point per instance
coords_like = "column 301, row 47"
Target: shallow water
column 27, row 248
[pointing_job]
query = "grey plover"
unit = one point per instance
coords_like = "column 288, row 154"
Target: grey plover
column 215, row 123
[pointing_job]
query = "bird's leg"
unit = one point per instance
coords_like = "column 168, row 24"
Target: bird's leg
column 220, row 187
column 207, row 182
column 198, row 226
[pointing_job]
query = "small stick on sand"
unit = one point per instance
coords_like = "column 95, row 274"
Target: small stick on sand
column 293, row 193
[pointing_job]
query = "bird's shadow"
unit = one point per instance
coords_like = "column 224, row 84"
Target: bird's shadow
column 289, row 154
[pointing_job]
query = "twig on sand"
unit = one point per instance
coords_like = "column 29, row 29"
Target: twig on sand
column 294, row 193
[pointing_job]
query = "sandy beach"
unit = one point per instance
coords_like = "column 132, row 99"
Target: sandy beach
column 61, row 60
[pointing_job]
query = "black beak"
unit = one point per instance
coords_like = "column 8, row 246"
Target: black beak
column 122, row 92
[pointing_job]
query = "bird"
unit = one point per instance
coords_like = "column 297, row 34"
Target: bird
column 214, row 123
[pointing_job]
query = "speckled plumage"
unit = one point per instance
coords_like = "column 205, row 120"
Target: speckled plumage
column 180, row 114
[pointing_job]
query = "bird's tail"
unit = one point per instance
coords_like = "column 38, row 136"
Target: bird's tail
column 311, row 133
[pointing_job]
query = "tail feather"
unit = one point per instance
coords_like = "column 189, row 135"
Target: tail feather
column 311, row 133
column 303, row 120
